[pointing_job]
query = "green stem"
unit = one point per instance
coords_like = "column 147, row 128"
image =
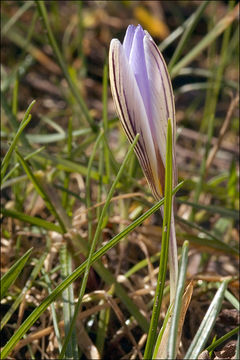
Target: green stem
column 88, row 187
column 152, row 334
column 172, row 342
column 222, row 339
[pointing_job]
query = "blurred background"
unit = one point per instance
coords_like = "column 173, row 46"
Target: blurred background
column 83, row 31
column 205, row 84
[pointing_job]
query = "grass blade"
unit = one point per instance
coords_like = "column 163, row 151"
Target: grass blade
column 88, row 185
column 25, row 121
column 162, row 331
column 207, row 324
column 232, row 299
column 27, row 286
column 40, row 190
column 210, row 109
column 12, row 118
column 32, row 220
column 171, row 354
column 50, row 138
column 187, row 33
column 43, row 13
column 16, row 16
column 208, row 242
column 225, row 212
column 11, row 275
column 164, row 249
column 28, row 157
column 53, row 309
column 176, row 33
column 68, row 304
column 95, row 240
column 207, row 40
column 75, row 274
column 223, row 339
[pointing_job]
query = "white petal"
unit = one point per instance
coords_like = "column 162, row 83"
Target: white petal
column 161, row 96
column 162, row 99
column 131, row 111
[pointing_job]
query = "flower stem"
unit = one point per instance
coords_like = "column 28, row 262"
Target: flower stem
column 167, row 220
column 173, row 256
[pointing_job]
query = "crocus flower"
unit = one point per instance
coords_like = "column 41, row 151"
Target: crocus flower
column 143, row 97
column 144, row 101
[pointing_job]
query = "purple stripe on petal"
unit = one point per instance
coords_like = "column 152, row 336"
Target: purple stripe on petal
column 141, row 153
column 150, row 176
column 140, row 147
column 128, row 132
column 163, row 87
column 170, row 105
column 131, row 118
column 161, row 96
column 168, row 79
column 132, row 111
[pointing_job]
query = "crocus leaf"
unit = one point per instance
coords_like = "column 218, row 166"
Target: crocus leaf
column 11, row 275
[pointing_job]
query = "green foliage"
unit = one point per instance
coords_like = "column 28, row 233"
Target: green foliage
column 11, row 275
column 70, row 182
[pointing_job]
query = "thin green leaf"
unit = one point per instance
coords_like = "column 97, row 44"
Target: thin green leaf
column 27, row 286
column 207, row 40
column 25, row 121
column 88, row 185
column 53, row 309
column 28, row 157
column 68, row 303
column 207, row 324
column 40, row 190
column 32, row 220
column 95, row 241
column 12, row 119
column 210, row 105
column 75, row 274
column 177, row 32
column 70, row 166
column 212, row 209
column 65, row 200
column 50, row 138
column 16, row 16
column 172, row 342
column 232, row 299
column 44, row 16
column 223, row 339
column 19, row 70
column 152, row 333
column 187, row 33
column 161, row 332
column 141, row 264
column 11, row 275
column 212, row 243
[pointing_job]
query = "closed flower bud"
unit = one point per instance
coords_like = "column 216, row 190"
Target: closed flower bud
column 144, row 101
